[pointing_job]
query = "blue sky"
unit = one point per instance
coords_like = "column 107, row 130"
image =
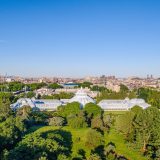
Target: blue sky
column 75, row 38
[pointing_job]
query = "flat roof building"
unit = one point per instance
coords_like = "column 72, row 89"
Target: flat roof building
column 122, row 105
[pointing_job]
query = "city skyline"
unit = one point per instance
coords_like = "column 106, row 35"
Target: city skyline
column 79, row 38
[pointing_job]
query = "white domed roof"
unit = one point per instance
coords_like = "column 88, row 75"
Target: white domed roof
column 82, row 98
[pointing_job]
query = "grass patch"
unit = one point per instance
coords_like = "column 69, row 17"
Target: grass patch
column 79, row 139
column 115, row 112
column 121, row 146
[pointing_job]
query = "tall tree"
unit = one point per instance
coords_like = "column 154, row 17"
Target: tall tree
column 147, row 126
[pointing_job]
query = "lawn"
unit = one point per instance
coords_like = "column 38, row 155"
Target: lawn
column 121, row 147
column 115, row 112
column 78, row 138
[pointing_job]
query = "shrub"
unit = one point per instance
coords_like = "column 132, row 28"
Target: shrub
column 94, row 157
column 92, row 110
column 69, row 109
column 77, row 122
column 56, row 121
column 97, row 123
column 94, row 139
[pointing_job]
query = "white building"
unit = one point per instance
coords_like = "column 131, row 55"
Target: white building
column 81, row 97
column 44, row 91
column 46, row 104
column 23, row 102
column 122, row 105
column 42, row 104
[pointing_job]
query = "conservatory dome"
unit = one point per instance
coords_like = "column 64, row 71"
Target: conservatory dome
column 82, row 97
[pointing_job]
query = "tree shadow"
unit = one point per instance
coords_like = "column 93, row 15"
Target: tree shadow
column 82, row 153
column 60, row 143
column 111, row 144
column 121, row 158
column 65, row 138
column 99, row 151
column 33, row 129
column 99, row 130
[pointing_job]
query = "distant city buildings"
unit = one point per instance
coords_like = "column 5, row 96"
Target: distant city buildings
column 44, row 91
column 110, row 82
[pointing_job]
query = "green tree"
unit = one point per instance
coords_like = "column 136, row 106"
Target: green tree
column 54, row 86
column 136, row 110
column 108, row 120
column 56, row 121
column 5, row 111
column 15, row 86
column 97, row 123
column 147, row 127
column 77, row 121
column 46, row 144
column 123, row 88
column 6, row 97
column 85, row 84
column 94, row 157
column 94, row 139
column 98, row 88
column 92, row 110
column 69, row 109
column 34, row 86
column 31, row 94
column 24, row 112
column 124, row 124
column 11, row 131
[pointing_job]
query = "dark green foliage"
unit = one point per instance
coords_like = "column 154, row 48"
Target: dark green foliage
column 147, row 127
column 64, row 95
column 63, row 157
column 85, row 84
column 123, row 88
column 94, row 157
column 30, row 94
column 11, row 132
column 40, row 118
column 122, row 94
column 69, row 109
column 5, row 111
column 136, row 109
column 49, row 145
column 124, row 124
column 149, row 95
column 61, row 95
column 35, row 86
column 111, row 95
column 76, row 121
column 92, row 110
column 98, row 88
column 15, row 86
column 141, row 127
column 54, row 86
column 6, row 97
